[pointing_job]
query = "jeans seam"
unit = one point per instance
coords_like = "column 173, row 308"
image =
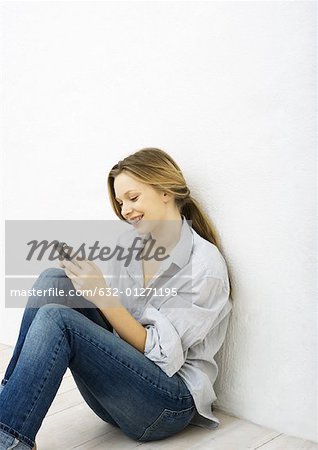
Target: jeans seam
column 128, row 367
column 50, row 370
column 16, row 434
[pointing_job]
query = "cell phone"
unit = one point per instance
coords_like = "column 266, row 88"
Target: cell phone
column 64, row 251
column 61, row 248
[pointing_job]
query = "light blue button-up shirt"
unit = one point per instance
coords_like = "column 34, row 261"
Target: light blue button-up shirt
column 186, row 330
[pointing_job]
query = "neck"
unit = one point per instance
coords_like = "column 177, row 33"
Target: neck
column 167, row 234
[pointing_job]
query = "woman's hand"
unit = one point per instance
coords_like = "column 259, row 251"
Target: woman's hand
column 85, row 276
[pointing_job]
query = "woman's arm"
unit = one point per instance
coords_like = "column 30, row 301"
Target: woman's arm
column 123, row 322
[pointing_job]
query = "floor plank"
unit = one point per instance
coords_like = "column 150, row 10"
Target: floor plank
column 3, row 346
column 5, row 356
column 233, row 434
column 83, row 427
column 283, row 442
column 113, row 440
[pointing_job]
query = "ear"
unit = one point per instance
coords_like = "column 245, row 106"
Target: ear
column 166, row 197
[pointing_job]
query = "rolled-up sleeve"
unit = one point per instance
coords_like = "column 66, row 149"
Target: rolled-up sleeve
column 163, row 343
column 183, row 321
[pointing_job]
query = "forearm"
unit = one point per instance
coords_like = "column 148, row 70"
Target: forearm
column 123, row 322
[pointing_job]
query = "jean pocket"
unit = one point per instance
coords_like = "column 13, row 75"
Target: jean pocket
column 167, row 423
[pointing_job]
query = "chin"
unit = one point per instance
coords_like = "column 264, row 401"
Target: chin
column 144, row 226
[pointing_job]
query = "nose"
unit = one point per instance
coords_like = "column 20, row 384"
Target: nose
column 125, row 210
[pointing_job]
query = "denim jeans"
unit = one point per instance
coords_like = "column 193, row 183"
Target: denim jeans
column 118, row 382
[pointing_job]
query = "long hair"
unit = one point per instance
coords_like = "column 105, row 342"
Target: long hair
column 156, row 168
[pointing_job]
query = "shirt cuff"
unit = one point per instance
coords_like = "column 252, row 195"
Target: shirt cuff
column 163, row 346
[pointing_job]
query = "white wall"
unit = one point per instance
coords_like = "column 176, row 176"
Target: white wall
column 228, row 88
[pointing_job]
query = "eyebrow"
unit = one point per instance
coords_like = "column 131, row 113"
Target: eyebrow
column 131, row 190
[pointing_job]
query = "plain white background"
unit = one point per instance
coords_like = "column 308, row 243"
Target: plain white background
column 228, row 89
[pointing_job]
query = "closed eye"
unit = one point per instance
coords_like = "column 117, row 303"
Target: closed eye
column 132, row 199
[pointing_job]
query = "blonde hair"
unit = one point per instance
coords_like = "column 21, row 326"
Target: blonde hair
column 156, row 168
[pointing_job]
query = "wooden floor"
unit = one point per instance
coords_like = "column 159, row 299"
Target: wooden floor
column 71, row 424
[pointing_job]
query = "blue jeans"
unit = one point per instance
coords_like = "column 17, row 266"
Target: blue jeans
column 118, row 382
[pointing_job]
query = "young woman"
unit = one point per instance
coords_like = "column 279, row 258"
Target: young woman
column 144, row 360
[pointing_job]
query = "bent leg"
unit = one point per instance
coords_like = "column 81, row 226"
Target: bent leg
column 144, row 402
column 136, row 395
column 127, row 386
column 55, row 278
column 31, row 388
column 37, row 376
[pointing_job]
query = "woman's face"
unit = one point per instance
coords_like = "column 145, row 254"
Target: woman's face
column 138, row 199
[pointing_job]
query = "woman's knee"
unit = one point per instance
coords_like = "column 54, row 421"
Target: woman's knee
column 59, row 313
column 49, row 315
column 52, row 272
column 54, row 277
column 46, row 285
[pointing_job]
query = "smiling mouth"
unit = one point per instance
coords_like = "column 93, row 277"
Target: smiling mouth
column 136, row 219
